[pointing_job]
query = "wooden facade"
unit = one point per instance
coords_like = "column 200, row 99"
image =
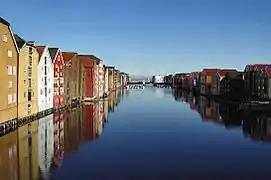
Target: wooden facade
column 206, row 80
column 217, row 84
column 58, row 65
column 27, row 77
column 89, row 77
column 71, row 76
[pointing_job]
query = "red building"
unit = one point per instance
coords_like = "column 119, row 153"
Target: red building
column 90, row 76
column 89, row 127
column 58, row 64
column 58, row 138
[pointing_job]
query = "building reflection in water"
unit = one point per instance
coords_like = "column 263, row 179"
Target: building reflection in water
column 36, row 149
column 255, row 125
column 46, row 145
column 9, row 156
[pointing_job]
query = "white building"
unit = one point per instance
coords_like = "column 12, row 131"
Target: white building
column 101, row 79
column 46, row 145
column 106, row 89
column 45, row 79
column 158, row 79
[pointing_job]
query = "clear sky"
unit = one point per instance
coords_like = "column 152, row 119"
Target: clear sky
column 150, row 36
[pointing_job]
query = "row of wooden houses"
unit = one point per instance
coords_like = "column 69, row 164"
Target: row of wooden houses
column 36, row 78
column 253, row 83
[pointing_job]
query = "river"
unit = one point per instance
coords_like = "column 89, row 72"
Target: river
column 151, row 133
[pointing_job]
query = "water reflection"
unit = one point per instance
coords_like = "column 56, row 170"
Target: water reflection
column 36, row 149
column 255, row 125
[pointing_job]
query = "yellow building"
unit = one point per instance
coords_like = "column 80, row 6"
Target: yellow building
column 27, row 77
column 8, row 156
column 28, row 151
column 8, row 73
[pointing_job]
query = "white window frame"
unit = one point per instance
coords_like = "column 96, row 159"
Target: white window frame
column 10, row 53
column 9, row 84
column 10, row 99
column 9, row 69
column 14, row 98
column 4, row 38
column 14, row 70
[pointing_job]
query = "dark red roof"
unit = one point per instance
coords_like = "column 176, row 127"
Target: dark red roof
column 258, row 67
column 223, row 72
column 86, row 61
column 40, row 49
column 209, row 71
column 68, row 55
column 268, row 72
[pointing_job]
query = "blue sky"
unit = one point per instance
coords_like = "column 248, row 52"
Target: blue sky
column 150, row 36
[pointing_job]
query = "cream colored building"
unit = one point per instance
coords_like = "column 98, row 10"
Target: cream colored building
column 27, row 77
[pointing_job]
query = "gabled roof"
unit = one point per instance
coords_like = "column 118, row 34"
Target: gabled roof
column 67, row 56
column 268, row 72
column 223, row 72
column 86, row 61
column 234, row 74
column 20, row 41
column 110, row 67
column 210, row 69
column 53, row 52
column 95, row 58
column 3, row 21
column 258, row 67
column 40, row 49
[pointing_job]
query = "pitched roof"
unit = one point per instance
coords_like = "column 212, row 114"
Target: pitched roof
column 110, row 67
column 86, row 61
column 234, row 74
column 19, row 41
column 3, row 21
column 95, row 58
column 210, row 69
column 53, row 52
column 40, row 49
column 68, row 55
column 223, row 72
column 268, row 72
column 258, row 67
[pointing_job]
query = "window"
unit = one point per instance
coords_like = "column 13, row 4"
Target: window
column 45, row 60
column 45, row 91
column 56, row 90
column 61, row 90
column 9, row 84
column 14, row 98
column 49, row 91
column 4, row 38
column 24, row 94
column 61, row 80
column 9, row 98
column 55, row 80
column 58, row 58
column 9, row 69
column 29, row 83
column 9, row 53
column 14, row 70
column 24, row 81
column 41, row 92
column 29, row 96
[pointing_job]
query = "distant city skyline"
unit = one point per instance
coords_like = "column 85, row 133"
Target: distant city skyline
column 150, row 37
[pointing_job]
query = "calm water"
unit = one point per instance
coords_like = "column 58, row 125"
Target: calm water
column 142, row 134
